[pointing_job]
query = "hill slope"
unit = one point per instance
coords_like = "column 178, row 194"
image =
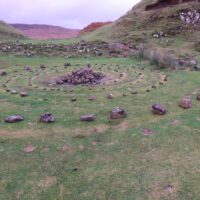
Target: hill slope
column 44, row 32
column 139, row 24
column 8, row 32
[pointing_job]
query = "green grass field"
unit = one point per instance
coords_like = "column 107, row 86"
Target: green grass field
column 100, row 160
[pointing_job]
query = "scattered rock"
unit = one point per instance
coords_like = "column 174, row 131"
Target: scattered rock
column 176, row 122
column 47, row 118
column 159, row 35
column 3, row 73
column 118, row 113
column 29, row 148
column 14, row 119
column 159, row 109
column 110, row 96
column 92, row 98
column 198, row 97
column 185, row 103
column 27, row 68
column 168, row 188
column 67, row 64
column 14, row 91
column 147, row 132
column 73, row 99
column 23, row 94
column 42, row 66
column 88, row 118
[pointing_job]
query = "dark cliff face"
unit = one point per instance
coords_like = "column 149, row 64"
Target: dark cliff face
column 165, row 3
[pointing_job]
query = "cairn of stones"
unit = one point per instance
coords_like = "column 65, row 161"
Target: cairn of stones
column 82, row 76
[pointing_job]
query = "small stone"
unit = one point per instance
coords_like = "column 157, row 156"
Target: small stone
column 73, row 99
column 42, row 66
column 47, row 118
column 110, row 96
column 198, row 97
column 14, row 119
column 159, row 109
column 29, row 148
column 3, row 73
column 147, row 131
column 23, row 94
column 92, row 98
column 88, row 118
column 118, row 113
column 185, row 103
column 14, row 91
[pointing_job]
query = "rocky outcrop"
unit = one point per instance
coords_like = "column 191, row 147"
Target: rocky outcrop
column 165, row 3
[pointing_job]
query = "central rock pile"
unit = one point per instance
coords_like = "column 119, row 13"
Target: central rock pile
column 81, row 77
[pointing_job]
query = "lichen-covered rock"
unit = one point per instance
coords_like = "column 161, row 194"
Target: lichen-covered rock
column 159, row 109
column 47, row 118
column 118, row 113
column 14, row 119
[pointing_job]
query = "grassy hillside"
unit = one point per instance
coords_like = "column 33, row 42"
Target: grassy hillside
column 8, row 32
column 138, row 25
column 141, row 27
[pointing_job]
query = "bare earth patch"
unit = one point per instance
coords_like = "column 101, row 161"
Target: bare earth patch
column 29, row 148
column 122, row 126
column 48, row 182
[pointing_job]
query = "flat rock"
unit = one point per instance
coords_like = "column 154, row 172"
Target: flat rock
column 185, row 103
column 118, row 113
column 47, row 118
column 88, row 118
column 159, row 109
column 14, row 119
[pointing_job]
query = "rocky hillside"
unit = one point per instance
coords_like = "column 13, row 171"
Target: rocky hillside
column 44, row 32
column 149, row 17
column 165, row 32
column 93, row 26
column 8, row 32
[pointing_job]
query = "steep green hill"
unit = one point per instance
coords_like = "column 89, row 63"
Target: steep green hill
column 8, row 32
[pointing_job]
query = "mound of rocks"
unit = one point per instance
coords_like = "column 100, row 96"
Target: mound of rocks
column 82, row 76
